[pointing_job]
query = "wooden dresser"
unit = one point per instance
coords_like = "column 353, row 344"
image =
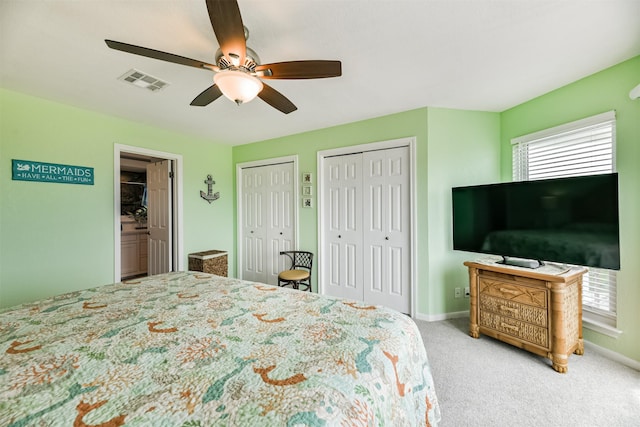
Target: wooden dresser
column 539, row 311
column 213, row 261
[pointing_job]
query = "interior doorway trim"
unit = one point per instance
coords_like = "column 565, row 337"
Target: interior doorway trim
column 413, row 235
column 296, row 200
column 178, row 229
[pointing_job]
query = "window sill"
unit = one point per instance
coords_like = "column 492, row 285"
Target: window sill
column 600, row 327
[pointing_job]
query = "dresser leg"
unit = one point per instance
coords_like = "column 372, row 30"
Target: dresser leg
column 560, row 363
column 474, row 331
column 580, row 350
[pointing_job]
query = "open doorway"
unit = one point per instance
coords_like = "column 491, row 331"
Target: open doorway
column 148, row 212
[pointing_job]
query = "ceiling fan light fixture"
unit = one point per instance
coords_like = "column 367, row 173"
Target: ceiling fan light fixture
column 238, row 86
column 237, row 66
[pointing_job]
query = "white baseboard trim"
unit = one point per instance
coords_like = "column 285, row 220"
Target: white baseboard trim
column 443, row 316
column 610, row 354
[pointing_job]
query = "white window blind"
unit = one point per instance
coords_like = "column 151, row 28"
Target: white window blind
column 584, row 147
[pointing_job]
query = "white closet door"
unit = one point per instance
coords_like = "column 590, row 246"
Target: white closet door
column 343, row 229
column 267, row 220
column 386, row 228
column 253, row 225
column 280, row 218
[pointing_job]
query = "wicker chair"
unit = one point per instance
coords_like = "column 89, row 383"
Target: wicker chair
column 299, row 274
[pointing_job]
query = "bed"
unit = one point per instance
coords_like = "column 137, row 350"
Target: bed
column 193, row 349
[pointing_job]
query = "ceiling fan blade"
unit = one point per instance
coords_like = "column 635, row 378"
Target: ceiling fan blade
column 207, row 96
column 227, row 25
column 157, row 54
column 276, row 99
column 300, row 70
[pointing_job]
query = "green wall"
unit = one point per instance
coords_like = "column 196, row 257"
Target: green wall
column 462, row 151
column 57, row 238
column 604, row 91
column 448, row 143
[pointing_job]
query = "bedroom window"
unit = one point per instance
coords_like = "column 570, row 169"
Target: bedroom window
column 583, row 147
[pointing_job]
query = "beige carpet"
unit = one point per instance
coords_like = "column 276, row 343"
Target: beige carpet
column 484, row 382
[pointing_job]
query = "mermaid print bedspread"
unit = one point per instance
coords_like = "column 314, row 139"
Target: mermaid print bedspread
column 192, row 349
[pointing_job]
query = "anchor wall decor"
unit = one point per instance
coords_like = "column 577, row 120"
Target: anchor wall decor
column 210, row 196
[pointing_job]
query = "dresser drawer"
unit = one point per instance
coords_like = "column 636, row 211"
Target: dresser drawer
column 533, row 296
column 516, row 328
column 515, row 310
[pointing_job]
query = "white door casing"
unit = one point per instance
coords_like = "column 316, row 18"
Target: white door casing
column 176, row 208
column 267, row 212
column 387, row 250
column 159, row 217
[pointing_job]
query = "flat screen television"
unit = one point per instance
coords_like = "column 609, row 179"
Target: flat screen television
column 564, row 220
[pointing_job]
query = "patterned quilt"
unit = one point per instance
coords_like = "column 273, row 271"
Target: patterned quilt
column 192, row 349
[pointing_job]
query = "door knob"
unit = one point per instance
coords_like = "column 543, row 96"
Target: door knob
column 251, row 231
column 281, row 233
column 386, row 238
column 339, row 236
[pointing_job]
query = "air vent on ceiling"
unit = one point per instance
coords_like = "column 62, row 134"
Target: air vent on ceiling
column 145, row 81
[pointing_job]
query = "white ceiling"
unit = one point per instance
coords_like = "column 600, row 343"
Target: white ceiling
column 396, row 55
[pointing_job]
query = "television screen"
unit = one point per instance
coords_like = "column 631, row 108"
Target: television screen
column 566, row 220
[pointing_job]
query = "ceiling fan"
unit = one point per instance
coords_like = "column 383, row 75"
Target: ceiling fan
column 237, row 67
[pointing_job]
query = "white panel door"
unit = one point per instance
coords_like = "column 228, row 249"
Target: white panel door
column 159, row 219
column 342, row 194
column 268, row 220
column 386, row 228
column 279, row 228
column 253, row 225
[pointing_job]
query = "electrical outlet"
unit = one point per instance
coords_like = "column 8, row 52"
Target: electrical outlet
column 466, row 292
column 458, row 292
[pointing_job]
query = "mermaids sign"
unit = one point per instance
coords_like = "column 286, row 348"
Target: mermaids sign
column 26, row 170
